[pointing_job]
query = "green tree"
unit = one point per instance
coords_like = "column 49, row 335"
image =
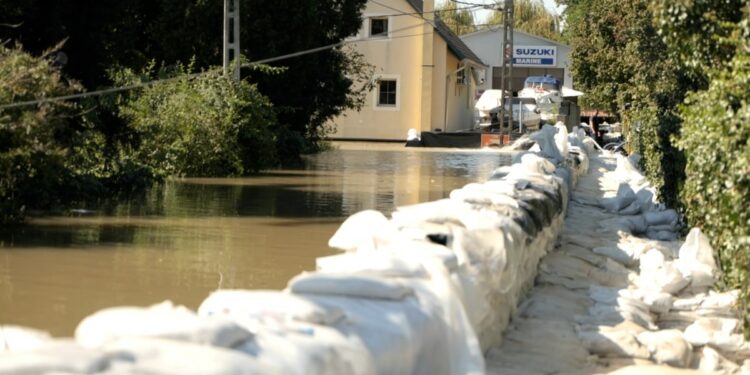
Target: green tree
column 532, row 17
column 460, row 21
column 34, row 143
column 710, row 41
column 101, row 35
column 715, row 141
column 618, row 61
column 201, row 126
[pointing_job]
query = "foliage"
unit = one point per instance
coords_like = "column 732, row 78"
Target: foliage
column 677, row 72
column 35, row 139
column 617, row 61
column 460, row 21
column 532, row 17
column 701, row 34
column 716, row 129
column 101, row 35
column 199, row 125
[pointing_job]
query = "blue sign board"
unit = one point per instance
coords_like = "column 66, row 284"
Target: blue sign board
column 545, row 56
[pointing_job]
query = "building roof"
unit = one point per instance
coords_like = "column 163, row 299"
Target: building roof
column 455, row 44
column 416, row 4
column 515, row 31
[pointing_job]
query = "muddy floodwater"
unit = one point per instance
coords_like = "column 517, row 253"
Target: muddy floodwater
column 187, row 237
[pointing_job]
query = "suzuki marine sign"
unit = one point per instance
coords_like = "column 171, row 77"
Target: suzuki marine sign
column 534, row 56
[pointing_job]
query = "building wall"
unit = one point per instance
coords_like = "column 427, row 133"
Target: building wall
column 399, row 56
column 460, row 113
column 486, row 44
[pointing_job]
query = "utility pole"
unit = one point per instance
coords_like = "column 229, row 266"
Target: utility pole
column 232, row 38
column 506, row 72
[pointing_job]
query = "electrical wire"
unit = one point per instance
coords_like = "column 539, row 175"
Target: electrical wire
column 113, row 90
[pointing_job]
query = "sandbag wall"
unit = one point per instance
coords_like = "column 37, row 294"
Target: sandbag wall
column 427, row 291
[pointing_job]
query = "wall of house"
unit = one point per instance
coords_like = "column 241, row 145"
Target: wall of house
column 460, row 104
column 399, row 56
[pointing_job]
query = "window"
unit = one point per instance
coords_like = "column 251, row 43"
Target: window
column 387, row 93
column 379, row 27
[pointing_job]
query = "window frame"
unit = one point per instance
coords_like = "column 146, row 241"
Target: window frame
column 376, row 97
column 386, row 34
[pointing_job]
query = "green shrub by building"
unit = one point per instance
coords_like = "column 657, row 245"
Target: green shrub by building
column 200, row 125
column 35, row 148
column 716, row 194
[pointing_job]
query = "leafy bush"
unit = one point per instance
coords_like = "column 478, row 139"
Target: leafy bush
column 199, row 125
column 714, row 139
column 34, row 139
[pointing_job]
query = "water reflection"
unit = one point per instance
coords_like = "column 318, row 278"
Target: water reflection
column 185, row 238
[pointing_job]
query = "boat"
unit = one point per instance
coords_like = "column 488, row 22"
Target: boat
column 548, row 94
column 487, row 112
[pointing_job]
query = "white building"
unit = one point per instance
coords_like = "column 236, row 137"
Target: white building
column 532, row 56
column 426, row 76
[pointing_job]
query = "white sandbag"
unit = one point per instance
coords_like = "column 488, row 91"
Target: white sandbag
column 613, row 344
column 709, row 360
column 415, row 252
column 56, row 356
column 624, row 255
column 155, row 356
column 554, row 303
column 659, row 275
column 371, row 263
column 532, row 346
column 667, row 347
column 661, row 235
column 362, row 231
column 605, row 314
column 658, row 302
column 251, row 307
column 627, row 172
column 310, row 350
column 575, row 140
column 17, row 338
column 629, row 224
column 361, row 286
column 590, row 145
column 561, row 139
column 645, row 369
column 710, row 330
column 725, row 301
column 696, row 258
column 545, row 139
column 163, row 320
column 536, row 164
column 632, row 209
column 646, row 198
column 625, row 196
column 661, row 217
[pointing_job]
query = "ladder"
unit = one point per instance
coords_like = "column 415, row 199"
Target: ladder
column 506, row 72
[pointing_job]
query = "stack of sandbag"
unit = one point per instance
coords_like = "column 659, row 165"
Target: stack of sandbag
column 154, row 340
column 634, row 303
column 428, row 290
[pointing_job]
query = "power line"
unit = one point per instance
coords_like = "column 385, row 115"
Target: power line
column 485, row 6
column 192, row 75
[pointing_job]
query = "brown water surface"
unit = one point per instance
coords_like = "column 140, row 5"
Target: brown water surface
column 189, row 236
